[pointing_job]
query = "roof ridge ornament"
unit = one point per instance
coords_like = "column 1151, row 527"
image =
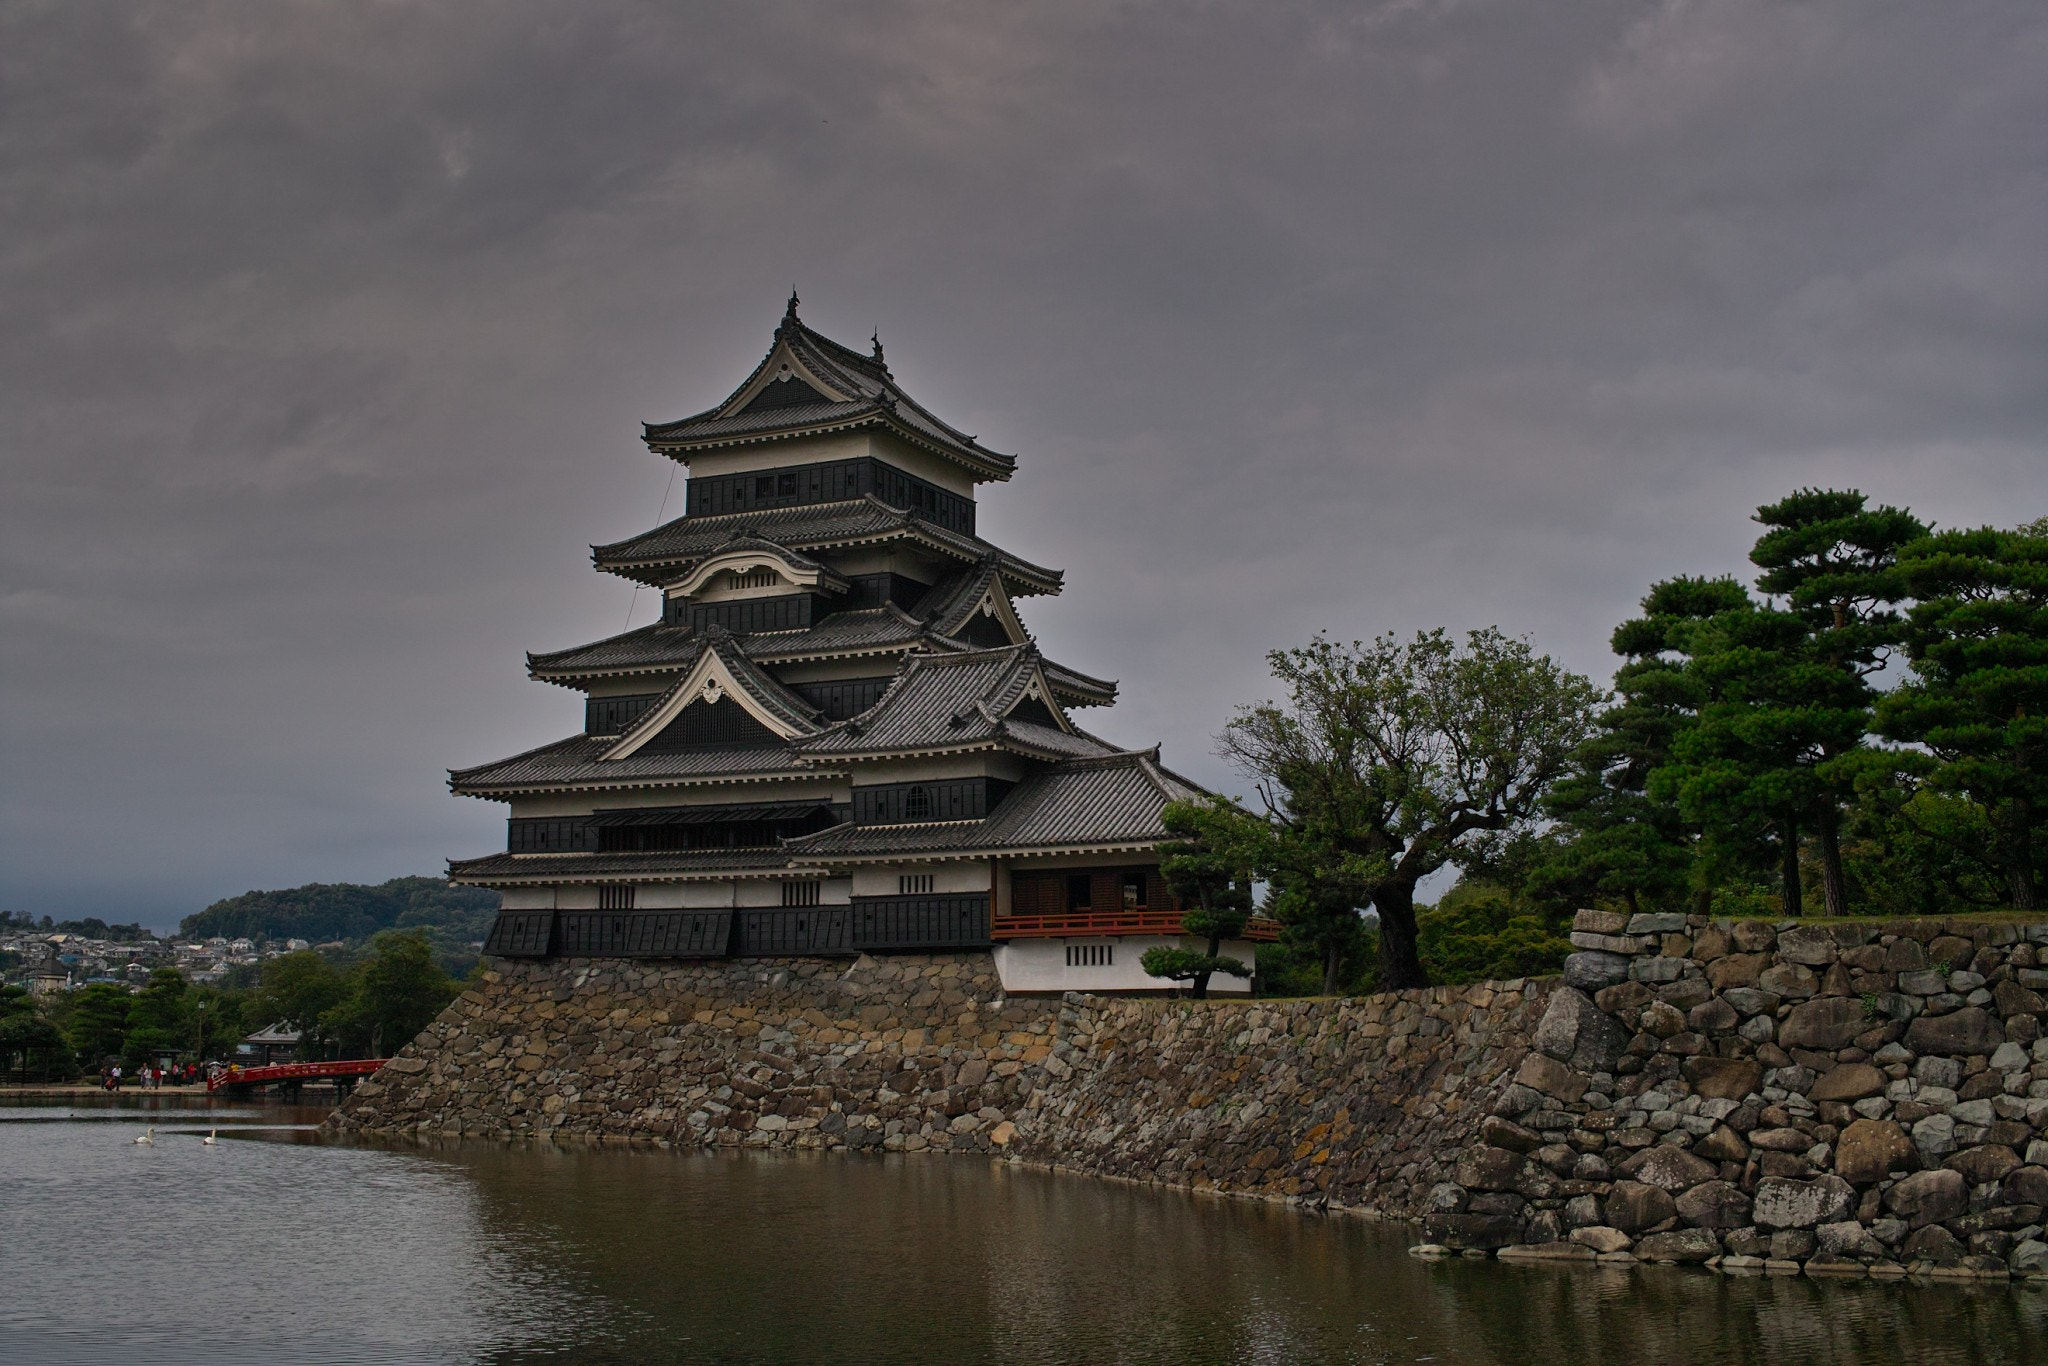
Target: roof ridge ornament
column 877, row 340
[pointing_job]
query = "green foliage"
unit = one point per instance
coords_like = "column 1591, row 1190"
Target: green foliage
column 392, row 995
column 1390, row 760
column 299, row 990
column 96, row 1026
column 31, row 1047
column 1206, row 861
column 1481, row 932
column 1978, row 696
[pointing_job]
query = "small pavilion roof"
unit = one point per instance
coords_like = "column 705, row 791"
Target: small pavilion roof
column 808, row 384
column 1113, row 800
column 666, row 553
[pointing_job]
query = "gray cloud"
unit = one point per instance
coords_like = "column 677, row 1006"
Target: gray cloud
column 326, row 329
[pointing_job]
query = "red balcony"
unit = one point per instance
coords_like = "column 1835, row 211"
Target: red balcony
column 1062, row 924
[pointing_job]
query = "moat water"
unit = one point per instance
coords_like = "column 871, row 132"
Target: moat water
column 270, row 1246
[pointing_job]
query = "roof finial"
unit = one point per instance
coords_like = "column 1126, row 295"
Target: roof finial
column 877, row 339
column 789, row 314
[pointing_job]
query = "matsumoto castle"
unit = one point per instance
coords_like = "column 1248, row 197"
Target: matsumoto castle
column 839, row 738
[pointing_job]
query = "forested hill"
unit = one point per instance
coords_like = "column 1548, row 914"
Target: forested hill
column 324, row 911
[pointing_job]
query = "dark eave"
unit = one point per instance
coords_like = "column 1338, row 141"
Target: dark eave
column 577, row 764
column 661, row 556
column 511, row 870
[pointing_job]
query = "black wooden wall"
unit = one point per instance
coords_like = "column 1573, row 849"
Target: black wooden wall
column 955, row 799
column 830, row 481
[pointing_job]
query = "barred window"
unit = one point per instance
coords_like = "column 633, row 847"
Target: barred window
column 1091, row 955
column 802, row 893
column 758, row 578
column 615, row 898
column 917, row 804
column 914, row 884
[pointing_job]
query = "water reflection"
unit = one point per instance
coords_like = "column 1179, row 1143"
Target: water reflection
column 256, row 1250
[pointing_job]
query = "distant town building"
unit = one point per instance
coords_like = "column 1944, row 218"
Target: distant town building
column 839, row 737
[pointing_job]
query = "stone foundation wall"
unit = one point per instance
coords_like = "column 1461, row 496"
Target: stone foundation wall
column 1354, row 1104
column 1856, row 1097
column 1842, row 1096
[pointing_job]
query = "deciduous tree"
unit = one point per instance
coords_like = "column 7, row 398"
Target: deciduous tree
column 1389, row 760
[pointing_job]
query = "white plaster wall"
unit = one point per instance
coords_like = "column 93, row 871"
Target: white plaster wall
column 699, row 896
column 773, row 455
column 1040, row 965
column 946, row 877
column 530, row 898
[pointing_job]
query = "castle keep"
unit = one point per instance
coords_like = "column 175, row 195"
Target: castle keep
column 839, row 738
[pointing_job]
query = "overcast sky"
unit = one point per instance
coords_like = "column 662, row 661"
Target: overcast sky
column 325, row 331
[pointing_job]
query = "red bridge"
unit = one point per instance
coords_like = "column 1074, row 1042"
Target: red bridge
column 294, row 1073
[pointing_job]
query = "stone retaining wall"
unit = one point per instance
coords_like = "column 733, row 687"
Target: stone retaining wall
column 1836, row 1097
column 1848, row 1097
column 1354, row 1104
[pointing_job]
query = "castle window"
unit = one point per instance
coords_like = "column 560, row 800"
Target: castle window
column 914, row 884
column 764, row 486
column 615, row 898
column 1091, row 955
column 1080, row 892
column 759, row 578
column 917, row 805
column 1134, row 891
column 802, row 893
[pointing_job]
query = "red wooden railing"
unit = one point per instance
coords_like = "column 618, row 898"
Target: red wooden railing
column 293, row 1071
column 1061, row 924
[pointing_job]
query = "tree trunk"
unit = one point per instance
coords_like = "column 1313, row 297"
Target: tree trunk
column 1400, row 964
column 1788, row 863
column 2019, row 854
column 1201, row 991
column 1333, row 957
column 1834, row 891
column 1629, row 895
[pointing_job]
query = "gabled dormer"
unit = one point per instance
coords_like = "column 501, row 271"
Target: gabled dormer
column 957, row 702
column 724, row 700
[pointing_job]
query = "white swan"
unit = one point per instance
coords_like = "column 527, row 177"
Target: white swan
column 211, row 1135
column 148, row 1138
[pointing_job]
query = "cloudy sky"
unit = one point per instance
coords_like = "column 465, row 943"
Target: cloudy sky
column 325, row 331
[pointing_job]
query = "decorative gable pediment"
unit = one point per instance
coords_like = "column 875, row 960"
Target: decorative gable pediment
column 716, row 680
column 783, row 381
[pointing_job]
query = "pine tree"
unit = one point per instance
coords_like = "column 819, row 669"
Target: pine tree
column 1207, row 865
column 1978, row 696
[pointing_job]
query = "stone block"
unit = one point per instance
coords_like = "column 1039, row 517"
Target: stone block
column 1551, row 1077
column 1714, row 1204
column 1783, row 1203
column 1983, row 1164
column 1576, row 1031
column 1922, row 982
column 1969, row 1030
column 1828, row 1023
column 1752, row 1000
column 1656, row 969
column 1736, row 970
column 1590, row 970
column 1848, row 1239
column 1789, row 980
column 1808, row 945
column 1657, row 922
column 1459, row 1231
column 1602, row 1238
column 1632, row 1206
column 1929, row 1197
column 1871, row 1149
column 1624, row 945
column 1668, row 1168
column 1851, row 1081
column 1722, row 1078
column 1600, row 922
column 2012, row 999
column 1679, row 1245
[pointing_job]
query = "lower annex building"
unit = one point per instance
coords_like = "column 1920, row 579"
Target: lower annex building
column 838, row 738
